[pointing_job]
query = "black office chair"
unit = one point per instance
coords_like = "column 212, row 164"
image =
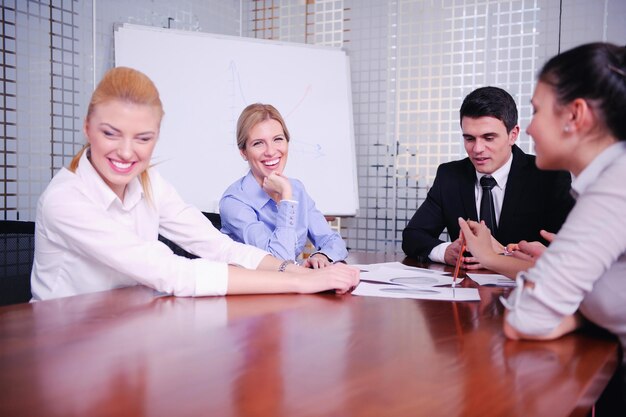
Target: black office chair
column 17, row 250
column 215, row 220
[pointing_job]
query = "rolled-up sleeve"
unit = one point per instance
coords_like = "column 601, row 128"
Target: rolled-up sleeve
column 528, row 314
column 587, row 246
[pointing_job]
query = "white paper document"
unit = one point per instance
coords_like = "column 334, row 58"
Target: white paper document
column 398, row 265
column 418, row 277
column 396, row 280
column 421, row 293
column 492, row 279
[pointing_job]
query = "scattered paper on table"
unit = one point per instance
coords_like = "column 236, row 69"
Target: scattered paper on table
column 492, row 279
column 421, row 293
column 407, row 277
column 398, row 265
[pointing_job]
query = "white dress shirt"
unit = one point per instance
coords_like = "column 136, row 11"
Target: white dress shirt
column 437, row 254
column 500, row 175
column 87, row 240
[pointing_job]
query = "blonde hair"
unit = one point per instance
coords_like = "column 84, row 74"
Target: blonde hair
column 129, row 85
column 253, row 115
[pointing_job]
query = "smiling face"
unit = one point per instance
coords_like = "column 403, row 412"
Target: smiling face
column 266, row 149
column 487, row 142
column 122, row 137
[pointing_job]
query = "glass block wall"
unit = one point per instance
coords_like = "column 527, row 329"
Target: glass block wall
column 412, row 62
column 53, row 51
column 8, row 113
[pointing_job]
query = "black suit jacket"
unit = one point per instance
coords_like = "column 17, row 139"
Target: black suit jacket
column 533, row 200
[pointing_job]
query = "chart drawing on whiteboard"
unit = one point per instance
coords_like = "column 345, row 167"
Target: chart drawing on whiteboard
column 205, row 81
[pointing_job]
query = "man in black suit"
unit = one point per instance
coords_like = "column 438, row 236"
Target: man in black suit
column 525, row 199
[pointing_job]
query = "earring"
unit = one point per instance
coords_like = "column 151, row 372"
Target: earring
column 566, row 128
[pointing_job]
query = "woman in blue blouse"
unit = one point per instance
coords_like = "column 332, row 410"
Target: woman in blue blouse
column 267, row 209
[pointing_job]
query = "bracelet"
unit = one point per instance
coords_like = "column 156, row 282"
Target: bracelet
column 283, row 266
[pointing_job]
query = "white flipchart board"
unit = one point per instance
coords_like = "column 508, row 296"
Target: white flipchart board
column 206, row 80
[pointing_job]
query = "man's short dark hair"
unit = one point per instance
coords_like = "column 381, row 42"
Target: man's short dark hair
column 492, row 102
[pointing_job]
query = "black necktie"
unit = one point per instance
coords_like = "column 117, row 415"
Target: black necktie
column 487, row 211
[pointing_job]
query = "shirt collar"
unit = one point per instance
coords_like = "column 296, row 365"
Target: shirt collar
column 251, row 187
column 500, row 175
column 590, row 174
column 100, row 192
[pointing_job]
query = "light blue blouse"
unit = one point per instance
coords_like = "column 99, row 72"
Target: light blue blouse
column 250, row 216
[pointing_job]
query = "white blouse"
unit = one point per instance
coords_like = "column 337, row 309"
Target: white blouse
column 87, row 240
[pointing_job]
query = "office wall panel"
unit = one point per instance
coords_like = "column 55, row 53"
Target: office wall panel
column 412, row 62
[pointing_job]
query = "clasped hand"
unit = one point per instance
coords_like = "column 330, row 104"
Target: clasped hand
column 529, row 251
column 316, row 261
column 482, row 245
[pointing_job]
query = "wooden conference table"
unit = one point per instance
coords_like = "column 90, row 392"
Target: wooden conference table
column 128, row 352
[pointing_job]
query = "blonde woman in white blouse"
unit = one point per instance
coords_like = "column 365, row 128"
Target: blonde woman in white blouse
column 98, row 222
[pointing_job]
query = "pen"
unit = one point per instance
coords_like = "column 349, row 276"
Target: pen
column 458, row 262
